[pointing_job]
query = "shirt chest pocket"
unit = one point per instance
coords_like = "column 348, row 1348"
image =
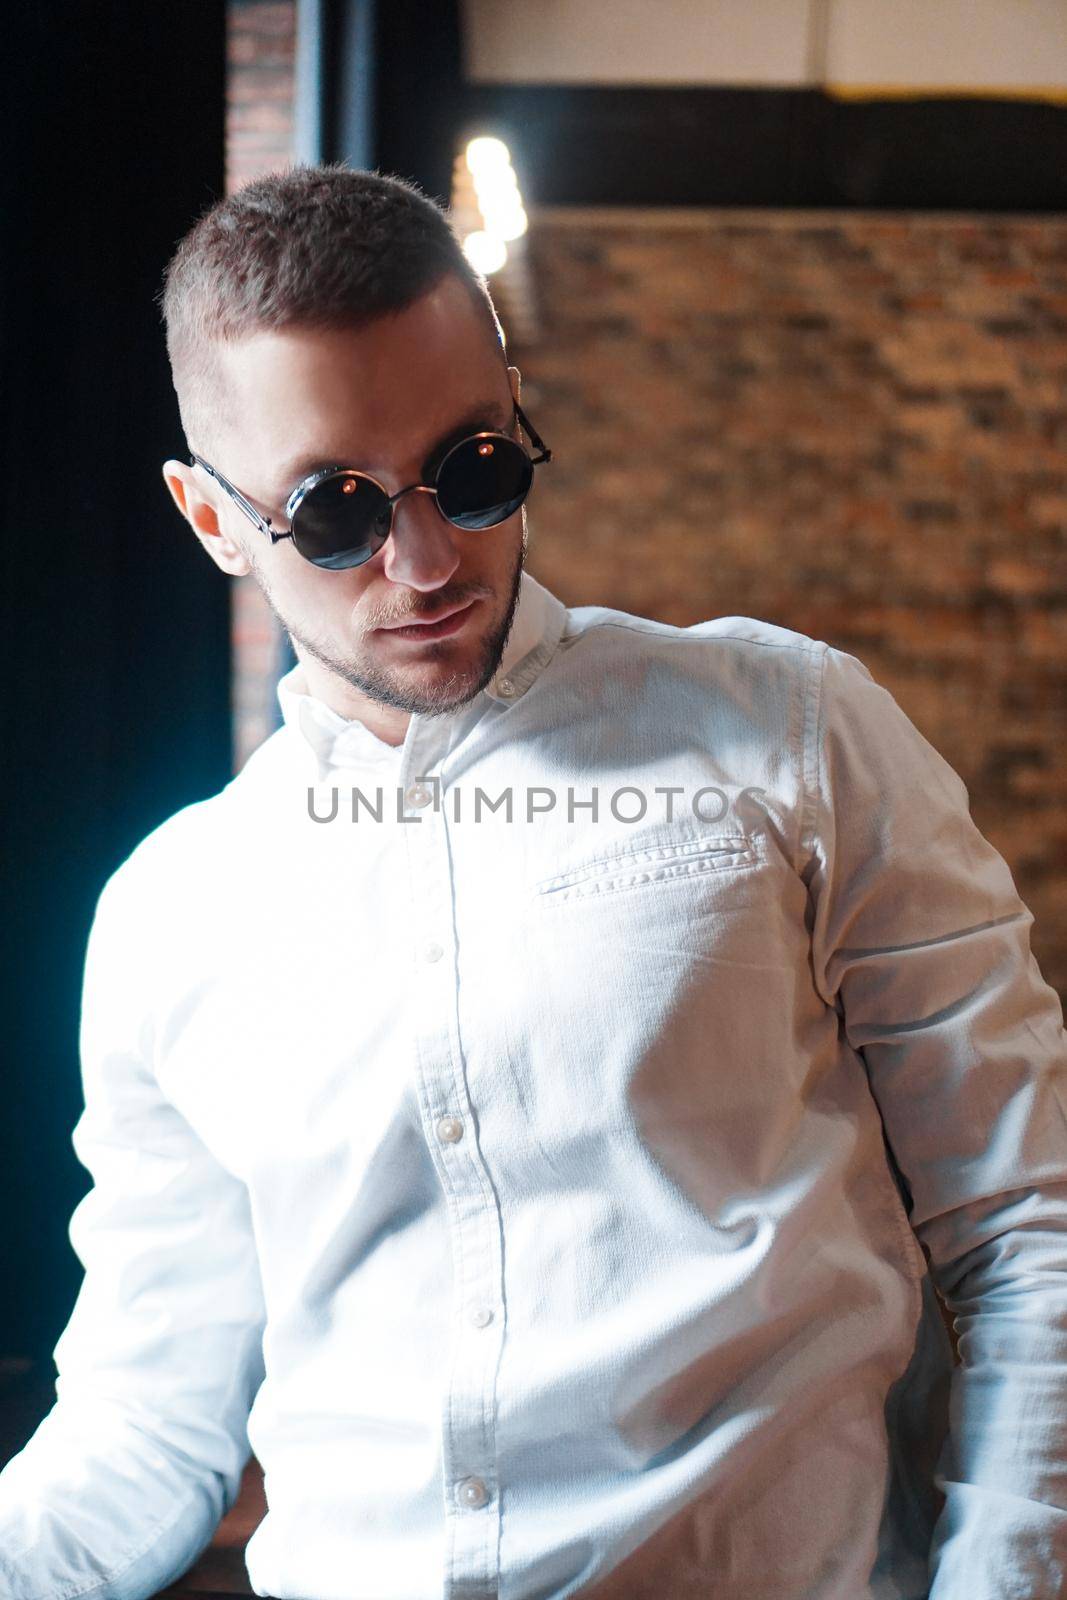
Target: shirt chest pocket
column 644, row 979
column 652, row 863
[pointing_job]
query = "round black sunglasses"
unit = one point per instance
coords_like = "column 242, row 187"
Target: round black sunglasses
column 340, row 517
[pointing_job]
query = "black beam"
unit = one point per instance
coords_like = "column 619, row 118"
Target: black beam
column 628, row 145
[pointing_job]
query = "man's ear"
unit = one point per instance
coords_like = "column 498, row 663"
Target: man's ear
column 202, row 516
column 515, row 378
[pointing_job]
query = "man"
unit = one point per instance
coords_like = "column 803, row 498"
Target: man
column 522, row 1107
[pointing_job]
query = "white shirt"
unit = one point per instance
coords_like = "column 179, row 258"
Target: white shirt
column 526, row 1181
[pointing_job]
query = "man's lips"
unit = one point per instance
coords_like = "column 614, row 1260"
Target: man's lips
column 447, row 620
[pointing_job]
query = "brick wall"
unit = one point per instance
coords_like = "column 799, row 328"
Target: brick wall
column 260, row 50
column 853, row 425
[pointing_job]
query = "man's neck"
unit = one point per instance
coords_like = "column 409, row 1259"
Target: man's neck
column 388, row 723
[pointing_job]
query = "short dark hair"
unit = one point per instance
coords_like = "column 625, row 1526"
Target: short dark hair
column 325, row 246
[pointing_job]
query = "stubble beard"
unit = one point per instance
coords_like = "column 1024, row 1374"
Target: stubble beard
column 386, row 686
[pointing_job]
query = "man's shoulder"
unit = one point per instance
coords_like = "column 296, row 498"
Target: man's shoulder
column 199, row 844
column 606, row 627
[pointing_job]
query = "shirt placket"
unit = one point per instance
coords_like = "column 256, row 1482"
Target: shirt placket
column 471, row 1488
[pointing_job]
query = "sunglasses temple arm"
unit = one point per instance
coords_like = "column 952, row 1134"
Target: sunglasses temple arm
column 535, row 438
column 262, row 523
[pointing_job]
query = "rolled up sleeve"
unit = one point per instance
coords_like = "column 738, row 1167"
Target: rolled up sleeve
column 125, row 1480
column 922, row 944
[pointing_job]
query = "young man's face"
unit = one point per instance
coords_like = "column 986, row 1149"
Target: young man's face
column 379, row 399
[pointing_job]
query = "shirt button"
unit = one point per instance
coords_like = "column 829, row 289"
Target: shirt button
column 433, row 952
column 450, row 1130
column 505, row 686
column 418, row 795
column 472, row 1493
column 482, row 1317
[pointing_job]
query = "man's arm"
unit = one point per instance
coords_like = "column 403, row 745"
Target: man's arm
column 922, row 944
column 125, row 1480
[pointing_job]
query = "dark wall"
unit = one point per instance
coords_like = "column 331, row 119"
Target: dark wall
column 115, row 625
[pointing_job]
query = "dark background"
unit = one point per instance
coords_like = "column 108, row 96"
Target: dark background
column 115, row 623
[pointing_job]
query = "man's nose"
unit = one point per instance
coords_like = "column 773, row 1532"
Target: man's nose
column 421, row 550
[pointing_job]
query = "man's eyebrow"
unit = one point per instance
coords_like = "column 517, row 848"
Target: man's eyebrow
column 491, row 415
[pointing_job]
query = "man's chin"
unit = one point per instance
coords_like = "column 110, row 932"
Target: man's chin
column 435, row 684
column 418, row 690
column 430, row 678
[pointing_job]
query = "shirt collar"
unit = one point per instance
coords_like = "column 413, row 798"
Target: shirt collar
column 536, row 630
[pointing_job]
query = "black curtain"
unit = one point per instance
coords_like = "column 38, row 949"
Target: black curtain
column 116, row 672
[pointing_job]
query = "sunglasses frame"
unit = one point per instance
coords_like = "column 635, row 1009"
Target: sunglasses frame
column 306, row 485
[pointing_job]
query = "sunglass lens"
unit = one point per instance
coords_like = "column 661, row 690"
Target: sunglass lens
column 483, row 481
column 342, row 521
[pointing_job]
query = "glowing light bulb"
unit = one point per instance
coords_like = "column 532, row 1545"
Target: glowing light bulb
column 486, row 152
column 507, row 225
column 485, row 251
column 490, row 182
